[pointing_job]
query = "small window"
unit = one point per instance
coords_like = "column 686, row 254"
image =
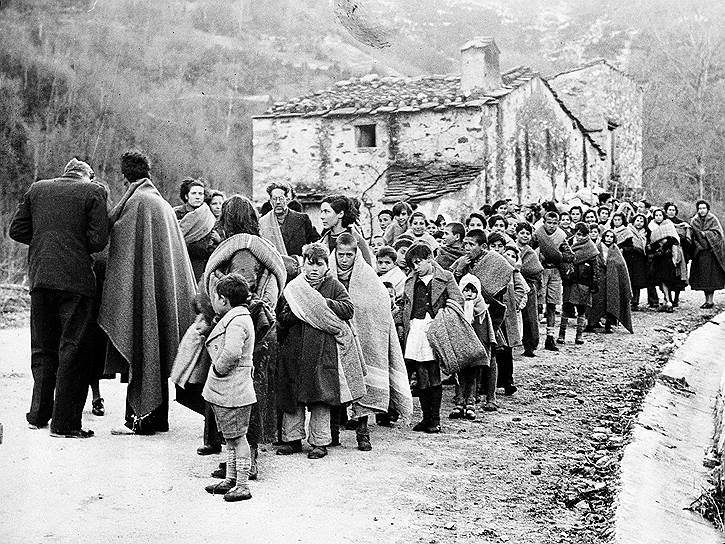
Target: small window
column 365, row 136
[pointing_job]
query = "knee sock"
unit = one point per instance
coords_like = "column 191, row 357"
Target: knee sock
column 581, row 322
column 562, row 327
column 243, row 459
column 231, row 463
column 550, row 319
column 491, row 380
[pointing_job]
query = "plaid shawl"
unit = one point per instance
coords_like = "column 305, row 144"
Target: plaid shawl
column 710, row 229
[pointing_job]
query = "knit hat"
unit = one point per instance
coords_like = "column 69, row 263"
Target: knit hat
column 78, row 169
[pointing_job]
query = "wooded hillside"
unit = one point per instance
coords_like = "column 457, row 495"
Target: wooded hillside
column 180, row 79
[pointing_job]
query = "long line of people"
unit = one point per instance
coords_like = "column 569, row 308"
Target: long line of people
column 287, row 320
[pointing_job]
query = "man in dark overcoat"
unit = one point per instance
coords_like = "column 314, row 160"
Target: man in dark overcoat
column 63, row 220
column 287, row 229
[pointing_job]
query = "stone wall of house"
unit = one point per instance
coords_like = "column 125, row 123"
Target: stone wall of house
column 527, row 145
column 610, row 95
column 543, row 151
column 317, row 154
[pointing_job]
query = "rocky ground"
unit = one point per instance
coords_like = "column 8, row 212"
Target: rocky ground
column 544, row 469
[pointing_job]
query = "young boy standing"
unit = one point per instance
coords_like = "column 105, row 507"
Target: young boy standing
column 389, row 271
column 531, row 270
column 401, row 213
column 494, row 273
column 452, row 247
column 554, row 253
column 427, row 290
column 229, row 387
column 578, row 292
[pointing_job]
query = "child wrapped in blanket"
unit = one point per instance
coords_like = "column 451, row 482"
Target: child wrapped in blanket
column 476, row 312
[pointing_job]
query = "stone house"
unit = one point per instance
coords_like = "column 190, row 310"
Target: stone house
column 451, row 143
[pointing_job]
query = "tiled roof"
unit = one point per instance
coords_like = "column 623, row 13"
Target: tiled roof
column 373, row 94
column 416, row 183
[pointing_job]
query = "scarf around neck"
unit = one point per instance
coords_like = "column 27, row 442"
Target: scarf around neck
column 316, row 283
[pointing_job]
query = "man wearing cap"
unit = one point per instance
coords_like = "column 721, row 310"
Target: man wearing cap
column 63, row 220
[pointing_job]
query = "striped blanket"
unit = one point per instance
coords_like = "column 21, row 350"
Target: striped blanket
column 386, row 380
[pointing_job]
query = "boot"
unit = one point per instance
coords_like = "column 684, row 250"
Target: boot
column 253, row 470
column 562, row 330
column 549, row 344
column 363, row 435
column 580, row 324
column 434, row 424
column 424, row 396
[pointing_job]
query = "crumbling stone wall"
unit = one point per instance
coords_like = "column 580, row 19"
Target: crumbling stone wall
column 527, row 146
column 601, row 94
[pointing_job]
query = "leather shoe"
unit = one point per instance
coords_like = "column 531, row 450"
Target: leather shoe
column 317, row 452
column 290, row 447
column 221, row 488
column 80, row 433
column 238, row 493
column 208, row 449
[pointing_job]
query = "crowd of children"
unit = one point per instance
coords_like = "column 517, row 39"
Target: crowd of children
column 506, row 269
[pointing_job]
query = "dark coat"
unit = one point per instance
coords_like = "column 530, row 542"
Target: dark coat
column 442, row 287
column 308, row 366
column 636, row 261
column 63, row 220
column 297, row 232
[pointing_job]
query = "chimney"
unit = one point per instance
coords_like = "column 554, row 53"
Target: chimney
column 479, row 66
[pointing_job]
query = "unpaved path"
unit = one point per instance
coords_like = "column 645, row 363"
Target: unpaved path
column 503, row 478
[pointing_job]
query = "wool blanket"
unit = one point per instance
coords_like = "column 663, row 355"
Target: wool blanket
column 639, row 238
column 664, row 230
column 269, row 230
column 584, row 250
column 197, row 224
column 189, row 365
column 454, row 341
column 549, row 245
column 397, row 277
column 147, row 296
column 710, row 229
column 615, row 291
column 386, row 380
column 263, row 250
column 494, row 272
column 310, row 306
column 531, row 267
column 186, row 369
column 447, row 255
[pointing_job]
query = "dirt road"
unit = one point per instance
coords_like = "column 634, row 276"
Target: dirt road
column 506, row 477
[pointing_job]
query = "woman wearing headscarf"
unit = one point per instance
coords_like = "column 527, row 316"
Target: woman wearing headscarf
column 708, row 262
column 684, row 231
column 614, row 296
column 632, row 241
column 664, row 250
